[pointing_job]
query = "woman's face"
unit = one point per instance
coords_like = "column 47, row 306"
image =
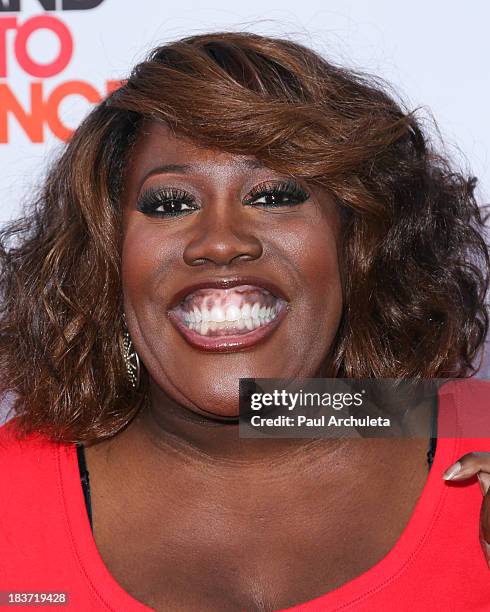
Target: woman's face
column 230, row 270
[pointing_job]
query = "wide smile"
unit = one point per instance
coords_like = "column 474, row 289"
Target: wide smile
column 226, row 319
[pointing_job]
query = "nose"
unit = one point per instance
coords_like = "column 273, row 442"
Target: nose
column 223, row 236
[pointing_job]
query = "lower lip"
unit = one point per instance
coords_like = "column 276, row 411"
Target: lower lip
column 224, row 344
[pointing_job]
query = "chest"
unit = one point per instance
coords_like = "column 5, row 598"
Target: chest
column 191, row 541
column 172, row 561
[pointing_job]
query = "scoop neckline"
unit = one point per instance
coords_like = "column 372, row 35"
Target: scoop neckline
column 399, row 558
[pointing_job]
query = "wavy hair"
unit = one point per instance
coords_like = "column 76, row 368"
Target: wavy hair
column 415, row 263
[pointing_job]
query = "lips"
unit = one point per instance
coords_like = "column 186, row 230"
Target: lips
column 228, row 314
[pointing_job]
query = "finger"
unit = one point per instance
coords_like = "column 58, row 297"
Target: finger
column 468, row 465
column 485, row 527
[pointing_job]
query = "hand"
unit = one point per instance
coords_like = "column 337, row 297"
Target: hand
column 468, row 465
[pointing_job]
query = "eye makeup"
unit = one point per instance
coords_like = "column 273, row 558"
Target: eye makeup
column 276, row 194
column 172, row 201
column 166, row 202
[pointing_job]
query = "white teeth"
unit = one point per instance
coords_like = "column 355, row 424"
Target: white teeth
column 217, row 314
column 233, row 313
column 247, row 317
column 246, row 310
column 203, row 327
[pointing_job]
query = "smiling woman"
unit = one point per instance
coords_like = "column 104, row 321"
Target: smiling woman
column 239, row 208
column 218, row 256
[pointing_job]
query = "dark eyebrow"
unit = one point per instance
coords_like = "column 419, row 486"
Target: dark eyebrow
column 249, row 164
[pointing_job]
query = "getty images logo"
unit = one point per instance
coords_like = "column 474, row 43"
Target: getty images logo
column 14, row 6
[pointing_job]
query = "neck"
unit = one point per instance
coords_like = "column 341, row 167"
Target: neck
column 168, row 426
column 165, row 426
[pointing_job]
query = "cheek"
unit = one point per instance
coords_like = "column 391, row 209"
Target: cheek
column 144, row 257
column 322, row 268
column 137, row 265
column 312, row 250
column 324, row 278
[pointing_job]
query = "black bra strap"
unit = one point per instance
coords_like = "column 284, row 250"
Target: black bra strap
column 433, row 434
column 82, row 466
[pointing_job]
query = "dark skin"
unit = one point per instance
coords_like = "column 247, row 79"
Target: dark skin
column 188, row 516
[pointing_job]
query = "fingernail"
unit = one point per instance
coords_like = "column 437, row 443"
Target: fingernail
column 452, row 470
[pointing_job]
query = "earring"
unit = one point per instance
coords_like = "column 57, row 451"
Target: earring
column 131, row 358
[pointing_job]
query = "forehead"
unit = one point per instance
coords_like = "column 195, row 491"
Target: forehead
column 159, row 145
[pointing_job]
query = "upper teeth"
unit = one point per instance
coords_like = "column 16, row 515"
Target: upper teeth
column 231, row 313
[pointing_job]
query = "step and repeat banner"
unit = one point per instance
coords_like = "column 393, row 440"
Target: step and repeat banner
column 58, row 57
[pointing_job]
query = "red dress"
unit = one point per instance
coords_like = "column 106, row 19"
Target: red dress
column 46, row 544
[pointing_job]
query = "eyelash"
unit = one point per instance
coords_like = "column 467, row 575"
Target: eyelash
column 151, row 200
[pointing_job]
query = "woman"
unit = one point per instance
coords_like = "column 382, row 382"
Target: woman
column 239, row 208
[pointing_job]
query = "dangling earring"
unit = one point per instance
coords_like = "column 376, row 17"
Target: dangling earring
column 131, row 358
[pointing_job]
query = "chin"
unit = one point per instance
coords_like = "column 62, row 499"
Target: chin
column 221, row 413
column 214, row 407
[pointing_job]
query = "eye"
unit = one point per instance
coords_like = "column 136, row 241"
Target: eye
column 276, row 194
column 167, row 202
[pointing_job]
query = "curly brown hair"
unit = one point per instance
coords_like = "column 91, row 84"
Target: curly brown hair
column 415, row 263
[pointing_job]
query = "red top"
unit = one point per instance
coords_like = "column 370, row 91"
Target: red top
column 46, row 543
